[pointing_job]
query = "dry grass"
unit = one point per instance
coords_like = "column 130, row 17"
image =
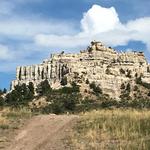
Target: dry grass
column 4, row 123
column 10, row 120
column 113, row 130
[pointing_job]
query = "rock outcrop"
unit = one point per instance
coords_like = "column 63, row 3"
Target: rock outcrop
column 98, row 63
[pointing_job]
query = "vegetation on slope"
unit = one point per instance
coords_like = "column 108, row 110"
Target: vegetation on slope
column 69, row 99
column 105, row 129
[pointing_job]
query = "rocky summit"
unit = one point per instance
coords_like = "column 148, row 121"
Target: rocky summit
column 103, row 65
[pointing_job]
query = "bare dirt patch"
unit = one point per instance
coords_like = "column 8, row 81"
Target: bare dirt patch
column 44, row 132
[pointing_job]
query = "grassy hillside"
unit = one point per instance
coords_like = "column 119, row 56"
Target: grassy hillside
column 113, row 130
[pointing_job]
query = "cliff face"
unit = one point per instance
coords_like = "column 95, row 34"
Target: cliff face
column 103, row 65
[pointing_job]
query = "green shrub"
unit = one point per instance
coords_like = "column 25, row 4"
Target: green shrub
column 14, row 99
column 138, row 80
column 122, row 86
column 107, row 104
column 43, row 88
column 69, row 90
column 136, row 75
column 31, row 88
column 148, row 93
column 144, row 84
column 75, row 87
column 2, row 102
column 122, row 71
column 107, row 71
column 87, row 81
column 128, row 88
column 60, row 102
column 125, row 93
column 21, row 95
column 64, row 81
column 135, row 88
column 96, row 89
column 129, row 74
column 66, row 90
column 4, row 126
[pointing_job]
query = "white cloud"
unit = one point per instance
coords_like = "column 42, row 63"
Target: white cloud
column 27, row 27
column 5, row 53
column 100, row 23
column 141, row 29
column 99, row 19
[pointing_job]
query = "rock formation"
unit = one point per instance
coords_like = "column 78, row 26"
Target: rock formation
column 103, row 65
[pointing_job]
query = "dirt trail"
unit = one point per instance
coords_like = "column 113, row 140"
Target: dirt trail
column 44, row 132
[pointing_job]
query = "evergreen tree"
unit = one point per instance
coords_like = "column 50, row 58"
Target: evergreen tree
column 148, row 93
column 129, row 74
column 107, row 71
column 4, row 90
column 31, row 87
column 43, row 88
column 87, row 81
column 64, row 81
column 21, row 95
column 75, row 87
column 122, row 86
column 136, row 75
column 128, row 88
column 139, row 80
column 14, row 99
column 2, row 101
column 96, row 89
column 122, row 71
column 1, row 92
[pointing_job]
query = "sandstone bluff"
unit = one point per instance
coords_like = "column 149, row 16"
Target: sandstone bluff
column 98, row 63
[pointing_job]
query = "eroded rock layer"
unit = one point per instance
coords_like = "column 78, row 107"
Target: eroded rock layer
column 105, row 66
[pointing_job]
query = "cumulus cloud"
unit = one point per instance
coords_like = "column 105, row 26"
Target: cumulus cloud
column 99, row 19
column 141, row 29
column 37, row 34
column 100, row 23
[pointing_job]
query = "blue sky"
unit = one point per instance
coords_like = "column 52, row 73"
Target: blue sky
column 32, row 29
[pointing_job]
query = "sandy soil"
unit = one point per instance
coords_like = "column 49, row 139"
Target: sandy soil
column 44, row 132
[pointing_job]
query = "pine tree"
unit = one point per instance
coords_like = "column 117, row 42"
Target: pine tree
column 31, row 87
column 87, row 81
column 43, row 88
column 128, row 88
column 4, row 90
column 64, row 81
column 122, row 86
column 1, row 92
